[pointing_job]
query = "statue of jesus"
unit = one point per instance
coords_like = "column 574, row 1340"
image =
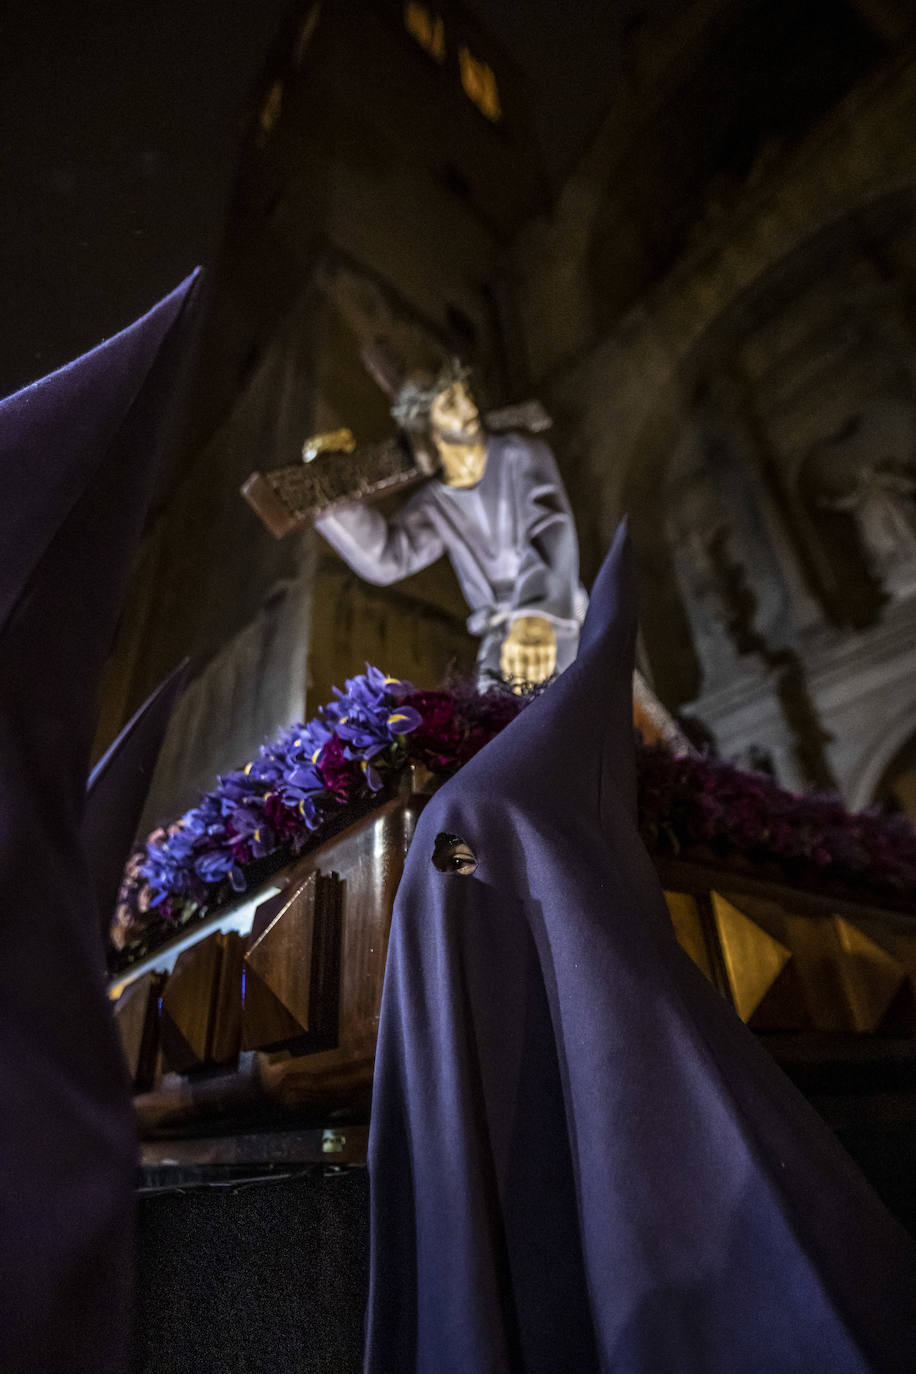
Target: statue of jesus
column 499, row 511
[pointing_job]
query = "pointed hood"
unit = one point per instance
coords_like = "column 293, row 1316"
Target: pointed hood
column 56, row 435
column 78, row 465
column 118, row 787
column 575, row 1145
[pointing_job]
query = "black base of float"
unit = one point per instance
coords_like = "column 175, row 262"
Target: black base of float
column 252, row 1268
column 253, row 1248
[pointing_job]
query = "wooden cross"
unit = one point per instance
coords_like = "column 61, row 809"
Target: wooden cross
column 294, row 497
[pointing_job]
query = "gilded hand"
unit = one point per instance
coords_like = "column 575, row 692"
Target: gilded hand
column 529, row 651
column 332, row 441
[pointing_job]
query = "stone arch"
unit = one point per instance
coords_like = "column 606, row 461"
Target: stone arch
column 898, row 782
column 732, row 107
column 858, row 487
column 623, row 392
column 891, row 747
column 792, row 531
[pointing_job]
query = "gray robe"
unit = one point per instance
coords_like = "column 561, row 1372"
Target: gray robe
column 511, row 540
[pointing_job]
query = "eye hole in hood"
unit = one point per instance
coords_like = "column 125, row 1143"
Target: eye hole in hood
column 452, row 854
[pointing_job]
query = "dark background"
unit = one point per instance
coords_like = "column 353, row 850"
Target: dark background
column 120, row 125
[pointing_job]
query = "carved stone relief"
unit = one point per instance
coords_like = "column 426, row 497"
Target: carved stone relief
column 867, row 472
column 734, row 589
column 727, row 572
column 694, row 523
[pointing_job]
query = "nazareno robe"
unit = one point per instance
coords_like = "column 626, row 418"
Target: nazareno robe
column 580, row 1159
column 78, row 464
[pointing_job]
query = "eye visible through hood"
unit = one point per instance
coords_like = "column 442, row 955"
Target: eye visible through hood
column 452, row 854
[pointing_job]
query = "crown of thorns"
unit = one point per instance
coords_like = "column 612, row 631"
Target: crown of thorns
column 415, row 398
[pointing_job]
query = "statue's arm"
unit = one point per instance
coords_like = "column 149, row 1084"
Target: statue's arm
column 383, row 549
column 548, row 577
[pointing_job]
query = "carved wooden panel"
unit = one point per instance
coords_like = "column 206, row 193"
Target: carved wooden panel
column 320, row 1073
column 136, row 1015
column 292, row 966
column 754, row 959
column 324, row 1011
column 329, row 1067
column 799, row 961
column 871, row 977
column 188, row 1003
column 226, row 1033
column 371, row 861
column 802, row 1002
column 687, row 920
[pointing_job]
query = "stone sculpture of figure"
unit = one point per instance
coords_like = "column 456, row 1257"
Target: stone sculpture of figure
column 694, row 522
column 499, row 511
column 882, row 501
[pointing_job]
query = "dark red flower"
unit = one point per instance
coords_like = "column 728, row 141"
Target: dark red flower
column 342, row 776
column 285, row 820
column 437, row 740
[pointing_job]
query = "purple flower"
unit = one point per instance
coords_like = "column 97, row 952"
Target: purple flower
column 404, row 719
column 284, row 820
column 372, row 775
column 254, row 836
column 340, row 773
column 301, row 787
column 370, row 717
column 213, row 865
column 392, row 687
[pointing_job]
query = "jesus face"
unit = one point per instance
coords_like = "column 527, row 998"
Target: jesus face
column 458, row 436
column 454, row 416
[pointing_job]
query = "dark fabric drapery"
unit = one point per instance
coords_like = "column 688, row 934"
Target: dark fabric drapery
column 580, row 1159
column 78, row 455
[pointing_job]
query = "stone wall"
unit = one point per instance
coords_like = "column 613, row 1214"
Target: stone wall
column 743, row 380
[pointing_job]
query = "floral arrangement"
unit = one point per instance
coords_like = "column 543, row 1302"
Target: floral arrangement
column 692, row 801
column 314, row 776
column 303, row 783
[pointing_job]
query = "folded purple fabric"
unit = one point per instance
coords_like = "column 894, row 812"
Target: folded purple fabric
column 580, row 1159
column 117, row 790
column 78, row 457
